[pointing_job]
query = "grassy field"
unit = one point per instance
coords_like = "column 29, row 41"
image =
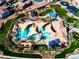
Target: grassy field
column 73, row 22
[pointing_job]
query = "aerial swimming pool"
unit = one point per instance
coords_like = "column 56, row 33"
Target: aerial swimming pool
column 53, row 14
column 71, row 8
column 22, row 34
column 38, row 0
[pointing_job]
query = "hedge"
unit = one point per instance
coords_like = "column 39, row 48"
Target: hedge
column 10, row 53
column 61, row 11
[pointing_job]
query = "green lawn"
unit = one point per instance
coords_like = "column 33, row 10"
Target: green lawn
column 21, row 16
column 4, row 31
column 61, row 12
column 74, row 22
column 45, row 12
column 71, row 19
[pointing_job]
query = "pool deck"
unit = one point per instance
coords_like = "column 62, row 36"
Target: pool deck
column 23, row 25
column 58, row 26
column 61, row 30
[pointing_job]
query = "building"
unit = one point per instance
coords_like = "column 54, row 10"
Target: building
column 75, row 3
column 4, row 13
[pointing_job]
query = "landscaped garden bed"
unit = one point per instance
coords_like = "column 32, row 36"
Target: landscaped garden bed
column 45, row 12
column 61, row 12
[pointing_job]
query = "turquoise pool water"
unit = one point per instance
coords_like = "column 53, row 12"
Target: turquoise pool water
column 33, row 36
column 53, row 14
column 42, row 29
column 22, row 34
column 43, row 36
column 38, row 0
column 46, row 36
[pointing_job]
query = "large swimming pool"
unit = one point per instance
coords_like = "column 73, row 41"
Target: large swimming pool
column 71, row 8
column 22, row 34
column 38, row 0
column 53, row 14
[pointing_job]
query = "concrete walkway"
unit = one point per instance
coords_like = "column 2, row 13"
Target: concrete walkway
column 74, row 30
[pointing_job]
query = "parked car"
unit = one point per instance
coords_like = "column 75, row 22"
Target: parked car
column 9, row 11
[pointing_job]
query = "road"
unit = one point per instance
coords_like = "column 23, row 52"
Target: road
column 11, row 57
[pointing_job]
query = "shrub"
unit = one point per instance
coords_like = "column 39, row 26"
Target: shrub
column 59, row 10
column 45, row 12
